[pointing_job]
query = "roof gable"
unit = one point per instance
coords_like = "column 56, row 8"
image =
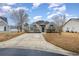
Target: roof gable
column 4, row 19
column 72, row 19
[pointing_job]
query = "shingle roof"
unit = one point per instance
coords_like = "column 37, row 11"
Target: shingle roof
column 72, row 19
column 42, row 22
column 3, row 18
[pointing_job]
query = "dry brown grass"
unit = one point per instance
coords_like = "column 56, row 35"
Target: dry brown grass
column 68, row 41
column 8, row 35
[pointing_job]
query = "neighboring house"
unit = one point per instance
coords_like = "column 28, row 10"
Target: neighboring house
column 72, row 25
column 42, row 26
column 3, row 24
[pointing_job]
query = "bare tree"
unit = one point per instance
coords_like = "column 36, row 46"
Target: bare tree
column 59, row 20
column 19, row 16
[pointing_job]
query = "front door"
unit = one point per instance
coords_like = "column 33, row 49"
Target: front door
column 5, row 28
column 42, row 28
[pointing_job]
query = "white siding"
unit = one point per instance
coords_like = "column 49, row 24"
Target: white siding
column 72, row 26
column 1, row 28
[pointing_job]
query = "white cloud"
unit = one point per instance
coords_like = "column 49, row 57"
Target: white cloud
column 57, row 10
column 35, row 5
column 3, row 4
column 22, row 8
column 51, row 5
column 11, row 3
column 19, row 8
column 7, row 4
column 60, row 9
column 2, row 14
column 68, row 16
column 52, row 15
column 6, row 8
column 37, row 18
column 48, row 13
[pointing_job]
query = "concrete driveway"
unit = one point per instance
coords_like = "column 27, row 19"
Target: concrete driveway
column 33, row 41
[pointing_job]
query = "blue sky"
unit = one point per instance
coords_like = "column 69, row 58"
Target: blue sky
column 42, row 11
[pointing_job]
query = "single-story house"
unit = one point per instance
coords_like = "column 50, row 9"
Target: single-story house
column 3, row 24
column 42, row 26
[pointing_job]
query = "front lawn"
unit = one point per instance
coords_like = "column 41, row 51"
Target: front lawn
column 68, row 41
column 8, row 35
